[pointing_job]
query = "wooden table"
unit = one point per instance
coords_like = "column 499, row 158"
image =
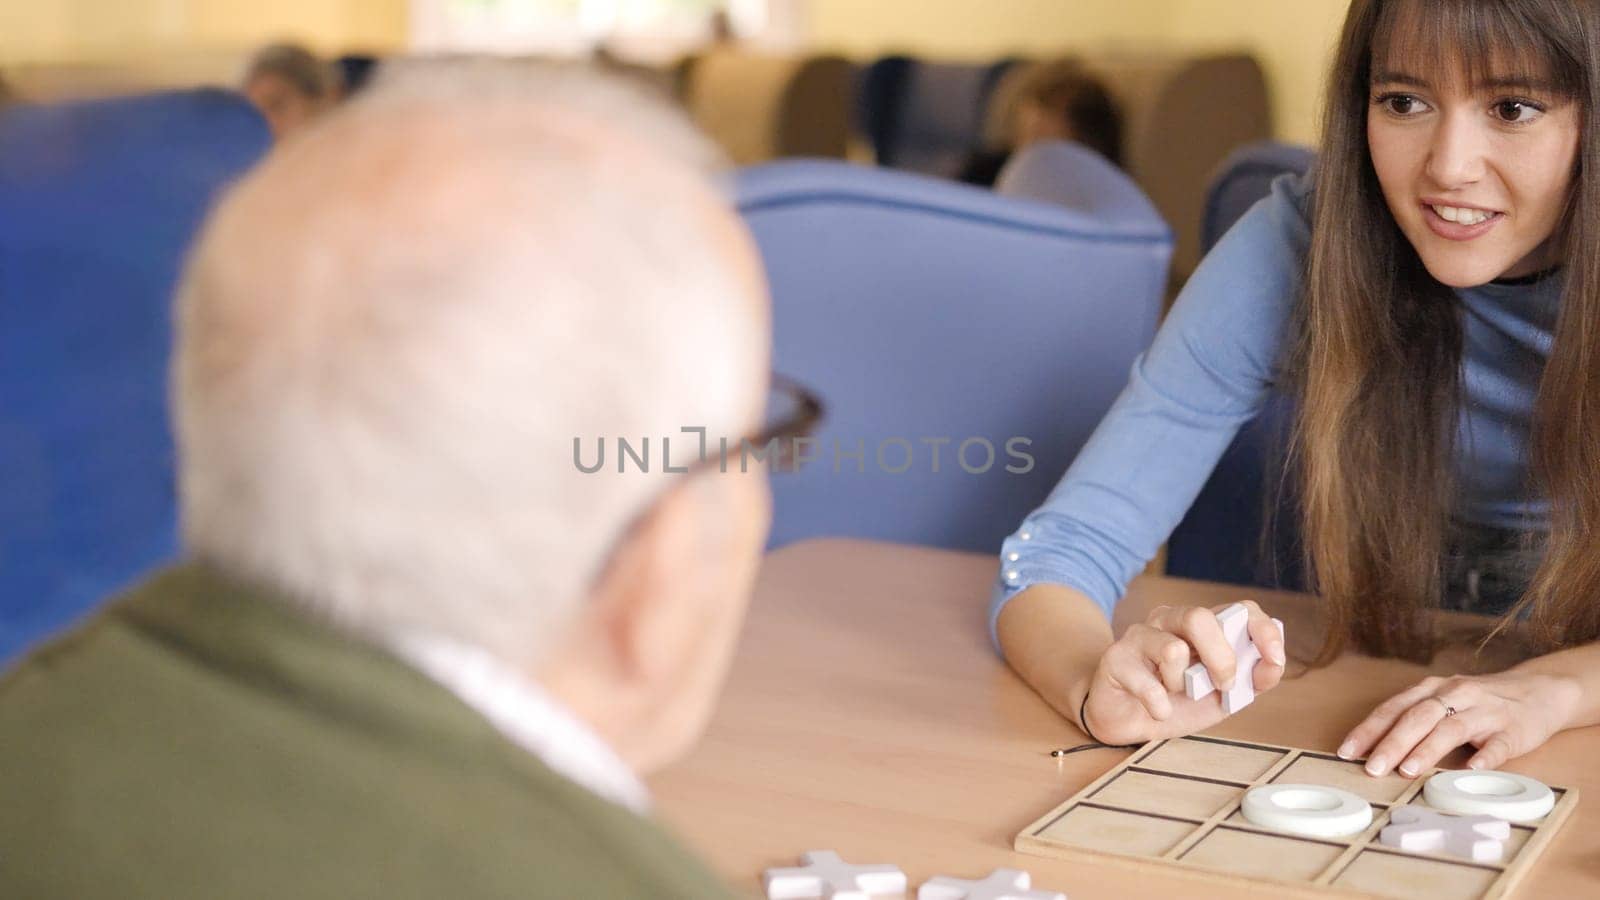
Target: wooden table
column 867, row 713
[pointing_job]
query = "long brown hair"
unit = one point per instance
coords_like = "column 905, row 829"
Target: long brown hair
column 1376, row 363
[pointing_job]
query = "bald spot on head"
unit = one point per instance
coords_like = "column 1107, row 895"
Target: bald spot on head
column 418, row 191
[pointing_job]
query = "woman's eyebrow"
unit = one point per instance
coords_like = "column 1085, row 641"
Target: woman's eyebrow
column 1492, row 83
column 1509, row 81
column 1384, row 77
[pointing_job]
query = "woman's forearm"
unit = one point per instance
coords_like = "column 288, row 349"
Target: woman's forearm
column 1054, row 636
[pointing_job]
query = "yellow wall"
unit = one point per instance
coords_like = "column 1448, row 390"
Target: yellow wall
column 975, row 29
column 1291, row 38
column 85, row 31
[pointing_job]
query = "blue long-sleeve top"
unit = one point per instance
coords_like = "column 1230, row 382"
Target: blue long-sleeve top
column 1209, row 371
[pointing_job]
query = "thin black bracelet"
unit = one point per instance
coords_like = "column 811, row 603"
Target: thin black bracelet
column 1083, row 722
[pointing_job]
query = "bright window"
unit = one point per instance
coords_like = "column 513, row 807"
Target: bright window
column 642, row 29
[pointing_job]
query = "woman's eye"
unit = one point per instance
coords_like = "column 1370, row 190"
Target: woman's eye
column 1401, row 104
column 1516, row 111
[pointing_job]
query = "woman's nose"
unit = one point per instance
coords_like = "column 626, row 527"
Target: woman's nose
column 1456, row 151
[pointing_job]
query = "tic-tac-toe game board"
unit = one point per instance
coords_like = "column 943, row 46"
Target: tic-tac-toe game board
column 1175, row 803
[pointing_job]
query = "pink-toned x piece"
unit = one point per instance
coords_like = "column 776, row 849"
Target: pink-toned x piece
column 823, row 874
column 1235, row 622
column 1418, row 829
column 1002, row 884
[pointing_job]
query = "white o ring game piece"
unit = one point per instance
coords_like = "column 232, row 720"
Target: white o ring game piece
column 1504, row 795
column 1312, row 810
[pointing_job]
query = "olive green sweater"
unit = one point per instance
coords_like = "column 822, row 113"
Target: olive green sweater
column 199, row 739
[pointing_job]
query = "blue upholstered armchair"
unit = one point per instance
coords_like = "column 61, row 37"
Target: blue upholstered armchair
column 1242, row 179
column 98, row 202
column 935, row 317
column 1071, row 175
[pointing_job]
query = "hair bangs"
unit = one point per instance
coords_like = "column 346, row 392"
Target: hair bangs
column 1481, row 44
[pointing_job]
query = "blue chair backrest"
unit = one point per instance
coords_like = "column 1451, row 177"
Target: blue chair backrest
column 935, row 316
column 878, row 87
column 1069, row 174
column 1242, row 179
column 924, row 116
column 98, row 203
column 1221, row 537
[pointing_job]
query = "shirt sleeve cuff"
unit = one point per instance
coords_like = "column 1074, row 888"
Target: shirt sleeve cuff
column 1040, row 552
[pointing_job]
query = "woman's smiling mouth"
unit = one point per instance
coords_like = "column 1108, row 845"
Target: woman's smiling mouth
column 1459, row 223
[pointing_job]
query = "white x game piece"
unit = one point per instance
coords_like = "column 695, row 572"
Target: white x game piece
column 823, row 874
column 1420, row 830
column 1235, row 621
column 1002, row 884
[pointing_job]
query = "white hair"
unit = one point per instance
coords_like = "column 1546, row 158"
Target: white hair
column 393, row 331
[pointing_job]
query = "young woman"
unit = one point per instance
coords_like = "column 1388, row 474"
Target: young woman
column 1430, row 297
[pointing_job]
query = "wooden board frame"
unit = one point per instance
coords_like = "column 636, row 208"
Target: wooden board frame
column 1502, row 878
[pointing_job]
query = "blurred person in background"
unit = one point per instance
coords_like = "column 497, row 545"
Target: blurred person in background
column 291, row 86
column 1057, row 101
column 354, row 71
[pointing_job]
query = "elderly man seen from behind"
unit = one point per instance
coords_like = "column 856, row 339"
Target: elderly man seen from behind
column 415, row 651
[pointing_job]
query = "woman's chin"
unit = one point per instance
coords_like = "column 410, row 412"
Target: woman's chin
column 1461, row 274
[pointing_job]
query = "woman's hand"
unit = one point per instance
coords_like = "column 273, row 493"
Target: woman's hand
column 1503, row 716
column 1136, row 692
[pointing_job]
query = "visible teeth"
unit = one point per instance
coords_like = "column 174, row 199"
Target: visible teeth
column 1462, row 216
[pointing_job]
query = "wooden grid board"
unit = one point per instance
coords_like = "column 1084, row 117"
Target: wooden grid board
column 1175, row 803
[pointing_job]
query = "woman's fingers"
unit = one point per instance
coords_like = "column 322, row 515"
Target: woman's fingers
column 1365, row 736
column 1267, row 636
column 1128, row 669
column 1165, row 653
column 1172, row 658
column 1495, row 751
column 1503, row 716
column 1198, row 627
column 1450, row 733
column 1413, row 725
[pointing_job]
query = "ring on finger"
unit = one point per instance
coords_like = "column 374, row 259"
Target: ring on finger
column 1448, row 709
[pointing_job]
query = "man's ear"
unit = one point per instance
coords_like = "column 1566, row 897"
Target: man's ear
column 646, row 599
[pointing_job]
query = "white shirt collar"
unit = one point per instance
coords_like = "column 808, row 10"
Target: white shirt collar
column 526, row 715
